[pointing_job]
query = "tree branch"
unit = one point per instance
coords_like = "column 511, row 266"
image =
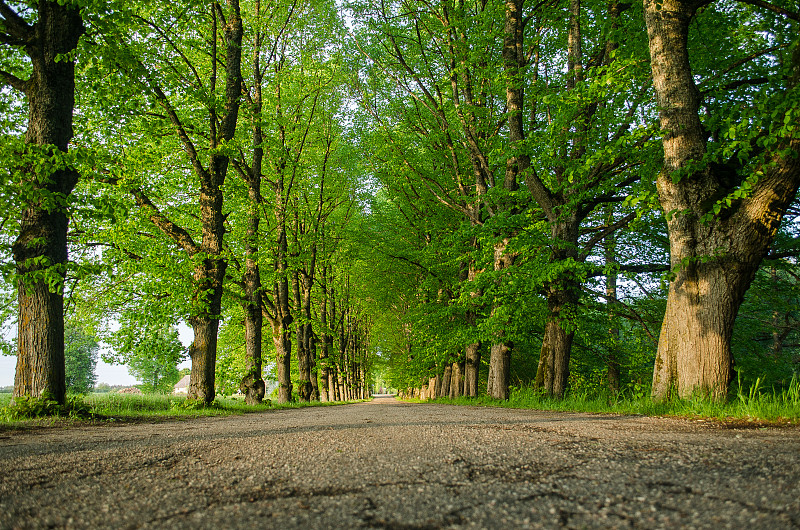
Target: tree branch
column 594, row 240
column 14, row 81
column 180, row 236
column 15, row 25
column 773, row 8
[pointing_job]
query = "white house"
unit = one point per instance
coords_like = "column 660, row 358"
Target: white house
column 182, row 386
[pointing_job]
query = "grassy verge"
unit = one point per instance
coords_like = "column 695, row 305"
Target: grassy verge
column 128, row 408
column 751, row 407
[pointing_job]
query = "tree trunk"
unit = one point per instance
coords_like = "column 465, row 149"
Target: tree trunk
column 713, row 262
column 325, row 393
column 499, row 370
column 304, row 388
column 282, row 339
column 281, row 321
column 311, row 347
column 500, row 352
column 40, row 250
column 333, row 391
column 203, row 353
column 447, row 377
column 456, row 380
column 558, row 339
column 562, row 300
column 472, row 369
column 252, row 384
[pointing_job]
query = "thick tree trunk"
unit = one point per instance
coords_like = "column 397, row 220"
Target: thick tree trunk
column 304, row 388
column 558, row 340
column 209, row 274
column 713, row 262
column 514, row 62
column 499, row 370
column 472, row 369
column 456, row 380
column 203, row 353
column 562, row 298
column 312, row 359
column 40, row 250
column 252, row 384
column 446, row 379
column 282, row 340
column 500, row 352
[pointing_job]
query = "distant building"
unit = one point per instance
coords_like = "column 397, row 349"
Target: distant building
column 182, row 386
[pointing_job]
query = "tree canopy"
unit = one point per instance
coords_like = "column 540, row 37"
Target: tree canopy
column 468, row 196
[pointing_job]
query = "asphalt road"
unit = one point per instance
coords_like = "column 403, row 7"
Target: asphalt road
column 392, row 465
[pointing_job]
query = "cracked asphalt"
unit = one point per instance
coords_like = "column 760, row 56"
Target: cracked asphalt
column 387, row 464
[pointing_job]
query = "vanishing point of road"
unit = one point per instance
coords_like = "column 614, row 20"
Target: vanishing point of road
column 392, row 465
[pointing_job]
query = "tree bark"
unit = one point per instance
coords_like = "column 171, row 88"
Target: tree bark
column 304, row 388
column 326, row 392
column 499, row 370
column 472, row 369
column 282, row 340
column 500, row 352
column 446, row 379
column 713, row 263
column 203, row 353
column 562, row 298
column 40, row 249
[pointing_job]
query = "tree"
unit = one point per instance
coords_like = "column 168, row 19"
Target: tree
column 544, row 125
column 731, row 151
column 80, row 354
column 150, row 350
column 194, row 107
column 42, row 38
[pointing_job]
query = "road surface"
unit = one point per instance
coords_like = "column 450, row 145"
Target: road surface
column 392, row 465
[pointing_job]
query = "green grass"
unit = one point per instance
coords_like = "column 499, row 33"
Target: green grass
column 111, row 407
column 752, row 405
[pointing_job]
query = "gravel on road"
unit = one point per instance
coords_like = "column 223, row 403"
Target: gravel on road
column 393, row 465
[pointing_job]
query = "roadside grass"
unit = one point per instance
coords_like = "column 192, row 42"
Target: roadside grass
column 112, row 407
column 754, row 406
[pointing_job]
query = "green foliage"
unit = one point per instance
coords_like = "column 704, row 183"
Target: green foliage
column 766, row 340
column 28, row 407
column 151, row 350
column 80, row 359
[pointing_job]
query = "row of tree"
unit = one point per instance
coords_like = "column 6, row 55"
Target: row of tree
column 450, row 182
column 544, row 156
column 197, row 170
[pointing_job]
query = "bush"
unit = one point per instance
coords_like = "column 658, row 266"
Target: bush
column 28, row 408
